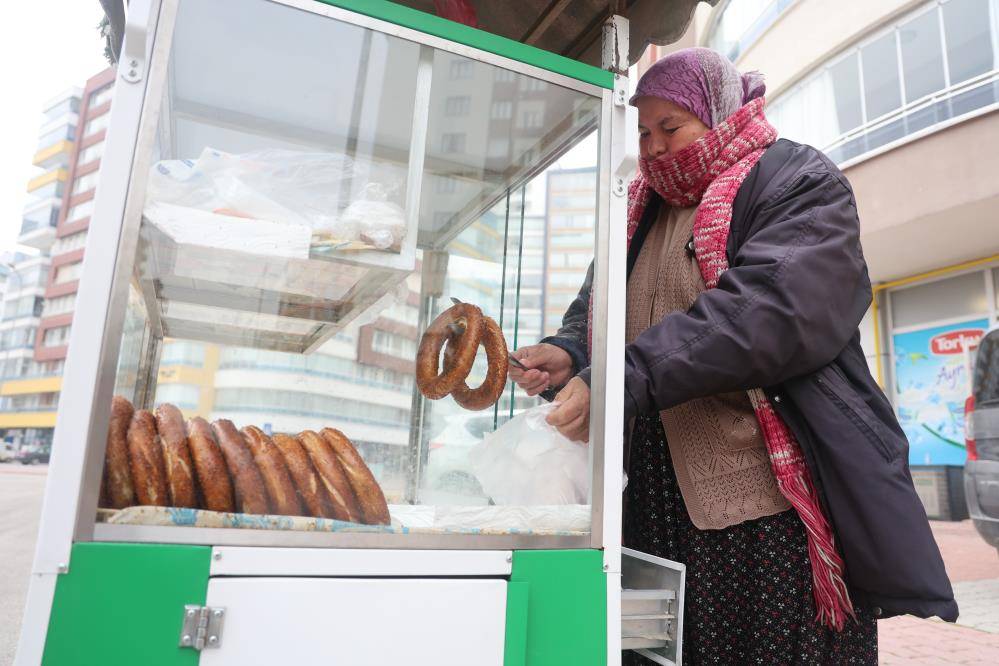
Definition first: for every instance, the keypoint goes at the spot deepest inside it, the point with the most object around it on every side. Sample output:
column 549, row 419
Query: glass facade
column 933, row 65
column 741, row 22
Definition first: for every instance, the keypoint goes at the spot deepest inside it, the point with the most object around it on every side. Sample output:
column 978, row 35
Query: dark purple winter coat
column 785, row 317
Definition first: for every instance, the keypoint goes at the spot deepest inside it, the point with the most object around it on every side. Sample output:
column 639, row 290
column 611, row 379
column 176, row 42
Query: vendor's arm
column 572, row 335
column 791, row 301
column 550, row 364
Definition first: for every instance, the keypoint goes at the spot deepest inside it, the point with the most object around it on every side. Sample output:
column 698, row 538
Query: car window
column 986, row 380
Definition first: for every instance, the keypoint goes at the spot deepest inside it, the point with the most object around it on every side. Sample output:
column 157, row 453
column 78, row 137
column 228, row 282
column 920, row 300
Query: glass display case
column 294, row 238
column 292, row 193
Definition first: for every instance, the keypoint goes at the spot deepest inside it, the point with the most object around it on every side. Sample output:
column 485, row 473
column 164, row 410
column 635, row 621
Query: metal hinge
column 202, row 627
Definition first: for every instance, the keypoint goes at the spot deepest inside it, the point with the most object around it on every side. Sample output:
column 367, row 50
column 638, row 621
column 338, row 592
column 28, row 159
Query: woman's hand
column 572, row 415
column 547, row 365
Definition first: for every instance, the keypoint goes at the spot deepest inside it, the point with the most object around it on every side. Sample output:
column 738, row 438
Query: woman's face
column 666, row 128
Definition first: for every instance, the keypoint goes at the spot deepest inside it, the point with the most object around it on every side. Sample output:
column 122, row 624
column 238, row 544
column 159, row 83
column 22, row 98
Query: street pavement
column 21, row 491
column 972, row 565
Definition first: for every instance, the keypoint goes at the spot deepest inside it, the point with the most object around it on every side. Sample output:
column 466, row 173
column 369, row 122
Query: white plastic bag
column 528, row 462
column 342, row 199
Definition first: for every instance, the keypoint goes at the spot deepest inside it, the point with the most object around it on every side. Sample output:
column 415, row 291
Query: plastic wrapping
column 347, row 203
column 528, row 462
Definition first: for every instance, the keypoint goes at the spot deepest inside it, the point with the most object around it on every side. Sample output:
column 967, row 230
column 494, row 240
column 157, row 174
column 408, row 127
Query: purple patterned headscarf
column 701, row 81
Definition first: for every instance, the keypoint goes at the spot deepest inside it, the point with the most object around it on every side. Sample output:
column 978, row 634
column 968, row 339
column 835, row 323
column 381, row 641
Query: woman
column 761, row 452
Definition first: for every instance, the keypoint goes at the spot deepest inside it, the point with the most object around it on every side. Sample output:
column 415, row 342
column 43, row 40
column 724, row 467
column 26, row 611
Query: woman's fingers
column 574, row 428
column 568, row 412
column 537, row 387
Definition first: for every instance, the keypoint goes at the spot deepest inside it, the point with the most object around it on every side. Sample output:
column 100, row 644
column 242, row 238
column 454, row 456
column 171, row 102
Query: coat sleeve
column 573, row 335
column 791, row 300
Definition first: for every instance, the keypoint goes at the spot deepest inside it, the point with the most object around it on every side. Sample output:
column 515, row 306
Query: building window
column 38, row 218
column 183, row 396
column 69, row 243
column 183, row 352
column 935, row 64
column 25, row 306
column 56, row 337
column 529, row 84
column 308, row 404
column 67, row 106
column 531, row 119
column 91, row 153
column 502, row 111
column 504, row 75
column 81, row 210
column 85, row 183
column 461, row 69
column 97, row 124
column 59, row 305
column 384, row 342
column 52, row 190
column 68, row 273
column 64, row 133
column 741, row 22
column 453, row 142
column 458, row 106
column 578, row 240
column 101, row 95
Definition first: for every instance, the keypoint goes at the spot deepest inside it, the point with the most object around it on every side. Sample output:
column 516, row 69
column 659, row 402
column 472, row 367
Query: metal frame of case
column 72, row 490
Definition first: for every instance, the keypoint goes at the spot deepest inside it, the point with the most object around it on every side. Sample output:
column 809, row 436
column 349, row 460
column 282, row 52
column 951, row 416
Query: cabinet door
column 358, row 621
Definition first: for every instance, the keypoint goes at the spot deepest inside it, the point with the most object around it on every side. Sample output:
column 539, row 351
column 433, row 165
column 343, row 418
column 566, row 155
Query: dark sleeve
column 795, row 294
column 573, row 335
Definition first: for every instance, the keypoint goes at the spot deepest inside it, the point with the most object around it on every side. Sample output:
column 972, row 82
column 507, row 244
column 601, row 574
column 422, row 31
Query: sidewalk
column 973, row 567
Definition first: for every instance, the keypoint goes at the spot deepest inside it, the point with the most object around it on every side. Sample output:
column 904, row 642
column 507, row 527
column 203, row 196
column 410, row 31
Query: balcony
column 931, row 113
column 56, row 155
column 38, row 226
column 36, row 235
column 48, row 178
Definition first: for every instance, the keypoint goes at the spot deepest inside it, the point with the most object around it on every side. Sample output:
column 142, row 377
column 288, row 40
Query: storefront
column 934, row 323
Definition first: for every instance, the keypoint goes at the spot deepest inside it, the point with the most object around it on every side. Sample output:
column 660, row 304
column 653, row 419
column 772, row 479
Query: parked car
column 33, row 455
column 7, row 451
column 981, row 470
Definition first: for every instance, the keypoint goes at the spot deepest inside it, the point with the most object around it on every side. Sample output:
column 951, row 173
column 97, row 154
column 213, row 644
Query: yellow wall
column 203, row 377
column 37, row 385
column 28, row 419
column 46, row 178
column 46, row 154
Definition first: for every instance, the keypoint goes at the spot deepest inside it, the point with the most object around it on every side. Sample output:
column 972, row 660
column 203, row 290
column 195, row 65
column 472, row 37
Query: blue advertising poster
column 931, row 385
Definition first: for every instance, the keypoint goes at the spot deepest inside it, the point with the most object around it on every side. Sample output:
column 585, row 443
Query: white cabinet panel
column 358, row 622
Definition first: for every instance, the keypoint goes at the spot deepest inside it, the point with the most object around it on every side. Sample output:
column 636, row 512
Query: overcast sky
column 45, row 48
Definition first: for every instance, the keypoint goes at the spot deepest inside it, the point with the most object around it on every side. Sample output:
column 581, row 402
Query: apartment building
column 29, row 387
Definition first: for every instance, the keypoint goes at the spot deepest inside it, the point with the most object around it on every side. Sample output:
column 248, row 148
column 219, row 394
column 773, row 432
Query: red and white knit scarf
column 709, row 172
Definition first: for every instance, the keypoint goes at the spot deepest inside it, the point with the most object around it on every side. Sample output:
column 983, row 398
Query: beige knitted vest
column 718, row 450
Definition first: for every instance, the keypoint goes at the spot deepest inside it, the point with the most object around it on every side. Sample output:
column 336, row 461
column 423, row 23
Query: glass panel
column 281, row 282
column 881, row 87
column 68, row 105
column 939, row 301
column 477, row 154
column 969, row 38
column 846, row 89
column 922, row 56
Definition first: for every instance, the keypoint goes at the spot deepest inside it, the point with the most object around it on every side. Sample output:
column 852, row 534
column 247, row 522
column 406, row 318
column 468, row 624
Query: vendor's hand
column 547, row 365
column 572, row 415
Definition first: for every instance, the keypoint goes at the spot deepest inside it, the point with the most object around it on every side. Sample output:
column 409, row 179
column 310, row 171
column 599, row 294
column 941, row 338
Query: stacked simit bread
column 158, row 459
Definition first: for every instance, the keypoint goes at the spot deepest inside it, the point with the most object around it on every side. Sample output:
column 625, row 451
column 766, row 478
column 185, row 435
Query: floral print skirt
column 749, row 586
